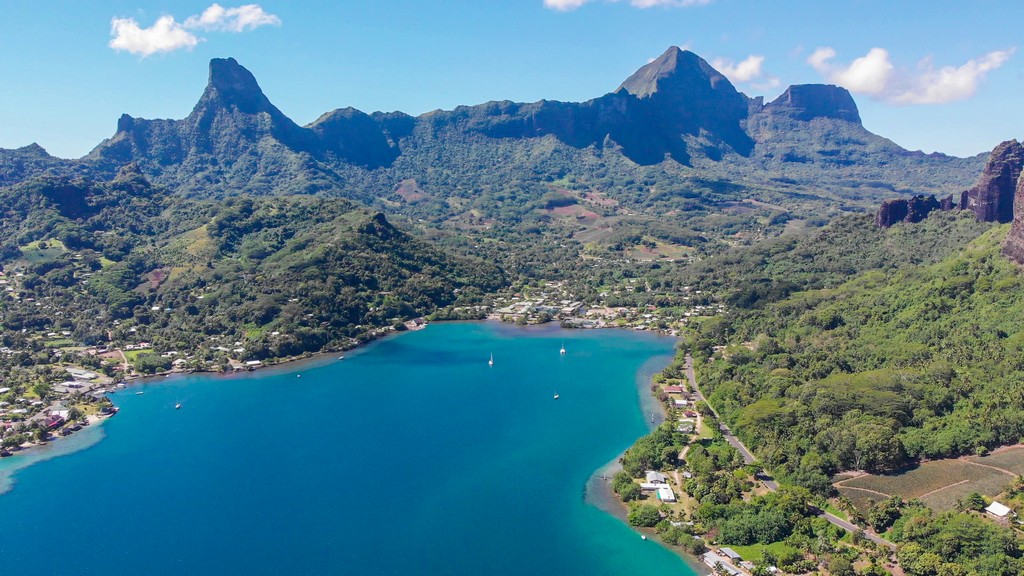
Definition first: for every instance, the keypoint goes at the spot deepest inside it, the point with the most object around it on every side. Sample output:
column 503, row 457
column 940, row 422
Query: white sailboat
column 491, row 361
column 562, row 351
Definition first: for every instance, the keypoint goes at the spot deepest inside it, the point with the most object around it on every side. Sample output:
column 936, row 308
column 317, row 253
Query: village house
column 665, row 493
column 999, row 511
column 717, row 563
column 654, row 477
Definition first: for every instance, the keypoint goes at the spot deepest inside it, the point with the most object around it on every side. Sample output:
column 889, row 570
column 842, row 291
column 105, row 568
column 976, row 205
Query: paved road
column 748, row 458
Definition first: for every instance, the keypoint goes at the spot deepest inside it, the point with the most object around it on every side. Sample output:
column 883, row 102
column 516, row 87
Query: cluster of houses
column 20, row 414
column 725, row 560
column 683, row 400
column 555, row 302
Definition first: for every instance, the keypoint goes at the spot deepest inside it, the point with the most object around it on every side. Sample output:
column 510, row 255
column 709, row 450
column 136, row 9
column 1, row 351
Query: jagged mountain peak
column 809, row 101
column 675, row 70
column 232, row 85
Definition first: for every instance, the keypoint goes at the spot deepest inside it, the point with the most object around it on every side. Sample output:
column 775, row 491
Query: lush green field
column 754, row 552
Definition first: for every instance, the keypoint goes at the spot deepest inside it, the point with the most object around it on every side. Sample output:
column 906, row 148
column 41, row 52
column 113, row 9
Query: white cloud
column 949, row 84
column 165, row 35
column 168, row 35
column 217, row 17
column 869, row 74
column 819, row 58
column 568, row 5
column 875, row 75
column 745, row 71
column 564, row 5
column 749, row 70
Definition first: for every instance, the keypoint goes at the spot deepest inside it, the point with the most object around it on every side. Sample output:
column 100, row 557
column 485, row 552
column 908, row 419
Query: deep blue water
column 410, row 456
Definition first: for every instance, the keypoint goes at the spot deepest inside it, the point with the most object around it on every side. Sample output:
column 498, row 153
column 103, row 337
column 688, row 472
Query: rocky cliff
column 910, row 210
column 991, row 199
column 809, row 101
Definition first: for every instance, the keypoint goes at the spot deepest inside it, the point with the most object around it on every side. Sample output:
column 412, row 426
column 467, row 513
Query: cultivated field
column 939, row 483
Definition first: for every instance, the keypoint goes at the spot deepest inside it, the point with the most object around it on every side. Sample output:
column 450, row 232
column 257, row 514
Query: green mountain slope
column 919, row 361
column 121, row 262
column 676, row 126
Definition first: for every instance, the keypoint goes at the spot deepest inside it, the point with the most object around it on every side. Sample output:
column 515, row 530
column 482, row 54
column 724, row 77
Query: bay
column 411, row 455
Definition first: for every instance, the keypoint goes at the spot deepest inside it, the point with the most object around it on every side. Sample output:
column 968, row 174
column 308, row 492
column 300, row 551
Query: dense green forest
column 898, row 363
column 123, row 262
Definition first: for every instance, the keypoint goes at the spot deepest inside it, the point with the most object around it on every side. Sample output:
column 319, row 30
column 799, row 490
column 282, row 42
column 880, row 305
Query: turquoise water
column 411, row 456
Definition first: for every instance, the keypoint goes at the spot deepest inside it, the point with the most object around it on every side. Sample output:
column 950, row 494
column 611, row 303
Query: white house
column 655, row 477
column 998, row 510
column 665, row 494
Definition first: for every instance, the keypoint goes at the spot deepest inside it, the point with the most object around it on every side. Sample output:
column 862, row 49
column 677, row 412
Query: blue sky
column 937, row 76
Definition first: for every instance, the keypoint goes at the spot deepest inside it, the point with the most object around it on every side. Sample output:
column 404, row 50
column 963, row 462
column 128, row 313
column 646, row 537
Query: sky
column 930, row 75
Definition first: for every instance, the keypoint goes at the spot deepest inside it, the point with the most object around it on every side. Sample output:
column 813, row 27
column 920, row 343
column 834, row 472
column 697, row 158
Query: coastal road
column 748, row 458
column 851, row 527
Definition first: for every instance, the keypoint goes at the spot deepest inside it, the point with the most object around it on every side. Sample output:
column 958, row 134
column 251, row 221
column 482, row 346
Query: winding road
column 748, row 458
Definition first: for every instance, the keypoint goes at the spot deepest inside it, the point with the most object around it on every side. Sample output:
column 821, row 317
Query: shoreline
column 311, row 360
column 32, row 448
column 597, row 493
column 598, row 488
column 61, row 446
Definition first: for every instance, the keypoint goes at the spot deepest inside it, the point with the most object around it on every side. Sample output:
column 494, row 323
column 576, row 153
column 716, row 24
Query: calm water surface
column 411, row 456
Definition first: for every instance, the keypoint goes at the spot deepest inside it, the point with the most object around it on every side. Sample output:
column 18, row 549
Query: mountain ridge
column 675, row 114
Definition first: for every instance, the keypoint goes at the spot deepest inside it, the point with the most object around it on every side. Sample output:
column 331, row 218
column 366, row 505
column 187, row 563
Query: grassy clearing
column 705, row 431
column 918, row 481
column 133, row 355
column 42, row 250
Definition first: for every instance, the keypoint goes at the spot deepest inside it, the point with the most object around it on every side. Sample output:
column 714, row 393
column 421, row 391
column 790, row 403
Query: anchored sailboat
column 562, row 351
column 491, row 361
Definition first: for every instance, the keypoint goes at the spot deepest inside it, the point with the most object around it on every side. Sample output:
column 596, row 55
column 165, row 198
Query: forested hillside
column 897, row 363
column 121, row 262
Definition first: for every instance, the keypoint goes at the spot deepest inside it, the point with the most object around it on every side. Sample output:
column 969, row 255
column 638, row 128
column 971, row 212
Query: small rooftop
column 998, row 510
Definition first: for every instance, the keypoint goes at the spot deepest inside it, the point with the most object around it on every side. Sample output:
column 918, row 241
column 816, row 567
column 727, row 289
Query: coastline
column 647, row 403
column 598, row 489
column 60, row 445
column 34, row 452
column 87, row 437
column 604, row 498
